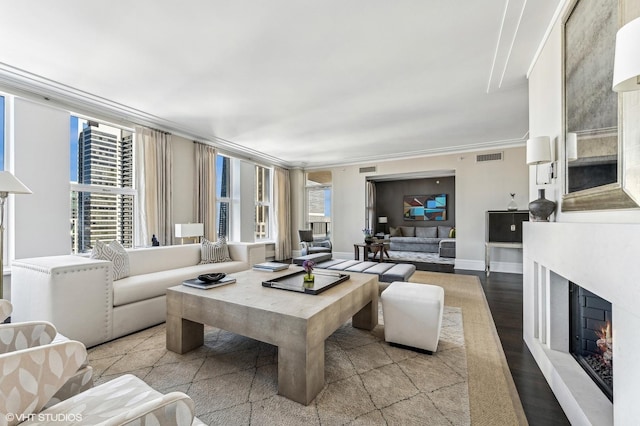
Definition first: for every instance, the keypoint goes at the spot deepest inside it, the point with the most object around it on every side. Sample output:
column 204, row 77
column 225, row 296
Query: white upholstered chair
column 29, row 334
column 32, row 376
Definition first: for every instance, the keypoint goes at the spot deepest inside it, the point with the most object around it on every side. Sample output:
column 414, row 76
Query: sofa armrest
column 250, row 253
column 72, row 292
column 175, row 408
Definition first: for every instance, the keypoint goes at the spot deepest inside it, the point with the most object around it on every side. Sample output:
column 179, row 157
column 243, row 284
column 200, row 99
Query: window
column 101, row 175
column 319, row 203
column 223, row 195
column 263, row 203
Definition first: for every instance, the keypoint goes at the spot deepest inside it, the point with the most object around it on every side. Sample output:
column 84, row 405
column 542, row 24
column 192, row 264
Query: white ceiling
column 302, row 82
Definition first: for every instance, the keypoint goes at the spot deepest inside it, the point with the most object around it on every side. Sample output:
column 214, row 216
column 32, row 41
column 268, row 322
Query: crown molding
column 481, row 146
column 40, row 88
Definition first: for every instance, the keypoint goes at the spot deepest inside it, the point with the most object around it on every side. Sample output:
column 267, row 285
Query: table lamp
column 189, row 230
column 382, row 220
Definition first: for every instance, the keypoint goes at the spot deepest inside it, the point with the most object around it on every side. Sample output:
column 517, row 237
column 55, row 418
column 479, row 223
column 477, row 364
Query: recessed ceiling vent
column 496, row 156
column 369, row 169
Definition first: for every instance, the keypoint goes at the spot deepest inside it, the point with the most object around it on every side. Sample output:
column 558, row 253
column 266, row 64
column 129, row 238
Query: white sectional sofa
column 79, row 296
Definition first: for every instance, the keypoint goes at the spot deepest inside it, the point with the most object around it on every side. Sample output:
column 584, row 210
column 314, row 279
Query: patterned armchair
column 5, row 309
column 31, row 377
column 30, row 334
column 309, row 245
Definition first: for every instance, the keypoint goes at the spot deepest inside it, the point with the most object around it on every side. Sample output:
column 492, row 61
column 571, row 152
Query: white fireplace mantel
column 604, row 259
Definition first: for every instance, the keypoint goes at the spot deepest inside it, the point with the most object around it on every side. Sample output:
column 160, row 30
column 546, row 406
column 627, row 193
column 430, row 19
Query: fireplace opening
column 591, row 342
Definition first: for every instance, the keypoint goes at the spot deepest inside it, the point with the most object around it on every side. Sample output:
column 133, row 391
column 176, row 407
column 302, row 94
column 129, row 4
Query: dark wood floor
column 504, row 295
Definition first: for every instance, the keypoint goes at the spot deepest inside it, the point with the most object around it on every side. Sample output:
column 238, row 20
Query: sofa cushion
column 443, row 231
column 415, row 240
column 214, row 252
column 426, row 231
column 408, row 231
column 395, row 231
column 116, row 254
column 154, row 259
column 154, row 284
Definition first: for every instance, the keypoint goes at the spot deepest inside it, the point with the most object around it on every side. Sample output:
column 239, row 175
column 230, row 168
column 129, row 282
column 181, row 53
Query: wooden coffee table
column 296, row 323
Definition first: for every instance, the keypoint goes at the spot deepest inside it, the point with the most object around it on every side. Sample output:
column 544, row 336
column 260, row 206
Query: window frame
column 262, row 204
column 228, row 199
column 318, row 186
column 106, row 189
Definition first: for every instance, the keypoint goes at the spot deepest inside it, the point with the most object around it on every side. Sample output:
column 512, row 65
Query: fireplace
column 591, row 339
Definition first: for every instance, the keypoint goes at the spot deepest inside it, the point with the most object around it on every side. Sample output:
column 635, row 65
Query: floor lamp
column 9, row 184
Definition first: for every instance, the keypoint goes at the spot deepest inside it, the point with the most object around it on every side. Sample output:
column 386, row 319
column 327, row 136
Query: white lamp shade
column 539, row 150
column 189, row 230
column 626, row 65
column 382, row 219
column 572, row 146
column 12, row 185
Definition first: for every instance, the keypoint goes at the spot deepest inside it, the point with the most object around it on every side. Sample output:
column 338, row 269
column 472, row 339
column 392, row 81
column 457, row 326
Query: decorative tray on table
column 323, row 280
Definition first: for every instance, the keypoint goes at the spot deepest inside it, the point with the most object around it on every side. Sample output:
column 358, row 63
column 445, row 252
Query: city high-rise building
column 105, row 158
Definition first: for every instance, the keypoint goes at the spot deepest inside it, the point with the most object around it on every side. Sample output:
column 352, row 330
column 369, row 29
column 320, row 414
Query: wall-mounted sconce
column 539, row 152
column 626, row 66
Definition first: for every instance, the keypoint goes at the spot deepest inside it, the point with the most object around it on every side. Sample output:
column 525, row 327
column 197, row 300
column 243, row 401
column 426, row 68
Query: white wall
column 40, row 159
column 479, row 187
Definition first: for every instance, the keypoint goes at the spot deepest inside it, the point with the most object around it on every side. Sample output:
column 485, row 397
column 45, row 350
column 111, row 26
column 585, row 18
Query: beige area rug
column 233, row 379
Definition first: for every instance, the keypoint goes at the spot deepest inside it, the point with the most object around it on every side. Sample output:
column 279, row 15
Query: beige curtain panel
column 205, row 188
column 154, row 165
column 282, row 210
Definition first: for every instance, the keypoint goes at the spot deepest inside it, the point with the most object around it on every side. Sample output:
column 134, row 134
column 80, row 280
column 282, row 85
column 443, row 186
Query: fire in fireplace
column 591, row 343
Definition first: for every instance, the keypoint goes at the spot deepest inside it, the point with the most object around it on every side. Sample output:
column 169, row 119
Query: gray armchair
column 309, row 245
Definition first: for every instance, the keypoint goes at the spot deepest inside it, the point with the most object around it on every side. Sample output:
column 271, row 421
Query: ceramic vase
column 512, row 206
column 368, row 239
column 541, row 208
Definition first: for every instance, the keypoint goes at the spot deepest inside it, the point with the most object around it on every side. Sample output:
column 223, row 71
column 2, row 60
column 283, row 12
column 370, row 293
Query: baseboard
column 478, row 265
column 469, row 265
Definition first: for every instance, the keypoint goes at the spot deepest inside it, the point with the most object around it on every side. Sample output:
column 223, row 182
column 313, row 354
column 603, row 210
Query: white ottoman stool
column 413, row 314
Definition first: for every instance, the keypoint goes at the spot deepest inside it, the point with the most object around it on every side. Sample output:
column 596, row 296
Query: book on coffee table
column 194, row 282
column 270, row 266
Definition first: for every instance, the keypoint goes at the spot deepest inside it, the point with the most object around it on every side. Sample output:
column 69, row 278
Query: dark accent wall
column 389, row 196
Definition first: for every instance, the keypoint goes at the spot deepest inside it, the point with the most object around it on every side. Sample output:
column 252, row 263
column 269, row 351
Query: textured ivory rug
column 233, row 379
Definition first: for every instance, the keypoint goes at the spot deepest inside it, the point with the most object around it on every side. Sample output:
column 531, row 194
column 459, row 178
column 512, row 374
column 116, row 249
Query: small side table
column 487, row 253
column 374, row 248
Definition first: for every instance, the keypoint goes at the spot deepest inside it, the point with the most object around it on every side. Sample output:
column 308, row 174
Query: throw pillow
column 115, row 253
column 98, row 251
column 408, row 231
column 452, row 233
column 394, row 232
column 426, row 231
column 214, row 252
column 443, row 231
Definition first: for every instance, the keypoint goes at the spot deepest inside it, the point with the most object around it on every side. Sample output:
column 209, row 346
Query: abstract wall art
column 425, row 207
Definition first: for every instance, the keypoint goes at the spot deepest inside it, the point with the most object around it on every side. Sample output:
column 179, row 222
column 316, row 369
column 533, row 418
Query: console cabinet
column 504, row 226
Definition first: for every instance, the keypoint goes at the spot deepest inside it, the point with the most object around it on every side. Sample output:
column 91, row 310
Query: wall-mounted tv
column 425, row 207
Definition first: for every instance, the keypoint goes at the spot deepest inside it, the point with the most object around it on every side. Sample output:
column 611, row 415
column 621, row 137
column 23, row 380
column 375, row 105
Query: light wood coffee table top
column 296, row 323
